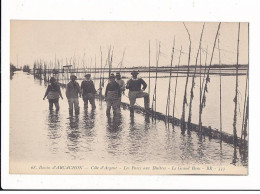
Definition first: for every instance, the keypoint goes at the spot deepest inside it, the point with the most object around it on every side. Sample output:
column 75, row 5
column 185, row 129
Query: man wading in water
column 88, row 92
column 53, row 93
column 112, row 95
column 135, row 91
column 73, row 92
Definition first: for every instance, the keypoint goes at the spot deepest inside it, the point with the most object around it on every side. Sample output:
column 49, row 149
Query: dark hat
column 73, row 76
column 88, row 75
column 134, row 72
column 117, row 73
column 112, row 75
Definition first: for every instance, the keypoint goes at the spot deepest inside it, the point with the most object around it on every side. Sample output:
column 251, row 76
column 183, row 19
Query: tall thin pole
column 121, row 63
column 204, row 74
column 236, row 94
column 220, row 92
column 155, row 85
column 108, row 63
column 100, row 73
column 246, row 119
column 149, row 88
column 202, row 88
column 176, row 83
column 200, row 85
column 193, row 80
column 245, row 102
column 111, row 60
column 205, row 89
column 183, row 125
column 157, row 77
column 169, row 86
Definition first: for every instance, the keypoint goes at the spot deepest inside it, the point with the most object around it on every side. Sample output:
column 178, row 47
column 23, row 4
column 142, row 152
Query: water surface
column 36, row 134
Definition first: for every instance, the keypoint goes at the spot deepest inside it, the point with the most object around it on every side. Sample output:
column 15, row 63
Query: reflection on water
column 54, row 132
column 54, row 125
column 201, row 147
column 114, row 124
column 89, row 120
column 113, row 135
column 186, row 148
column 92, row 136
column 73, row 133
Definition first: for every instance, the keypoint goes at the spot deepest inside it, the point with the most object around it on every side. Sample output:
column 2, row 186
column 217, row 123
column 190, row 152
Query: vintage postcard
column 128, row 98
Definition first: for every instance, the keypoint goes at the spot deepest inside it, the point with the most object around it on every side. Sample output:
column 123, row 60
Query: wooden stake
column 176, row 83
column 100, row 73
column 200, row 85
column 183, row 124
column 167, row 114
column 121, row 63
column 149, row 88
column 236, row 94
column 207, row 80
column 246, row 120
column 220, row 93
column 244, row 111
column 193, row 81
column 202, row 88
column 111, row 60
column 155, row 85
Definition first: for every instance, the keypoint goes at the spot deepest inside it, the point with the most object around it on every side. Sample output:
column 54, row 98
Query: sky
column 43, row 40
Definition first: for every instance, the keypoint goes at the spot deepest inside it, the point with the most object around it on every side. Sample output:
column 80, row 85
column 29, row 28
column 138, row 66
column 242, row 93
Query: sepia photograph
column 129, row 98
column 130, row 95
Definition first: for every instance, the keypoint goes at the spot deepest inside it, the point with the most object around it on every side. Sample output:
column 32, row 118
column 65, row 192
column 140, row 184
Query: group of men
column 113, row 93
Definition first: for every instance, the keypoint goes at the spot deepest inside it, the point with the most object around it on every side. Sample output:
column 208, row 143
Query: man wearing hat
column 135, row 91
column 73, row 93
column 53, row 93
column 121, row 84
column 112, row 95
column 88, row 92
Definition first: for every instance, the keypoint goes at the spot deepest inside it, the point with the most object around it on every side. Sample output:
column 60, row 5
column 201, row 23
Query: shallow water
column 211, row 113
column 36, row 134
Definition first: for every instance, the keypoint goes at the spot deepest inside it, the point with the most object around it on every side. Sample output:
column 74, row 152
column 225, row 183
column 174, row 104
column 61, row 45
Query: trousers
column 55, row 102
column 115, row 104
column 91, row 98
column 73, row 102
column 113, row 100
column 139, row 94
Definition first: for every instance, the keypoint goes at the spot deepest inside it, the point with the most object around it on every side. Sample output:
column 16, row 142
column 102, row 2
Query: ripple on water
column 91, row 136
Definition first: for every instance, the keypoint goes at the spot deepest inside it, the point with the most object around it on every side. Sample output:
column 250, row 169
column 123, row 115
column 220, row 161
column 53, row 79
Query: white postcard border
column 134, row 10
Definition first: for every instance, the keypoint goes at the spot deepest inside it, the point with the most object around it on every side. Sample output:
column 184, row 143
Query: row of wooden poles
column 204, row 81
column 43, row 72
